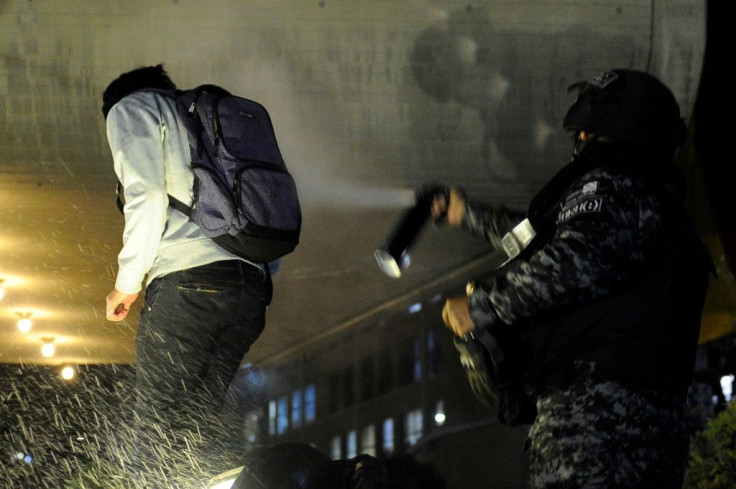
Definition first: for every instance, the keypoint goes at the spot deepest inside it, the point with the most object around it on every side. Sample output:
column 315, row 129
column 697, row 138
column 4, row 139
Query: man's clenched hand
column 118, row 305
column 456, row 315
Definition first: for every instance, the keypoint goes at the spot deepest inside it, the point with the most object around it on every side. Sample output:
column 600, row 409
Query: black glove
column 514, row 405
column 474, row 359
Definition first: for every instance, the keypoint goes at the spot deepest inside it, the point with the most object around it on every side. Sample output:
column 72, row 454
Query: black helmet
column 627, row 106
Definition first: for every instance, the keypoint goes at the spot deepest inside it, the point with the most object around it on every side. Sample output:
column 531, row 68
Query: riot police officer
column 597, row 313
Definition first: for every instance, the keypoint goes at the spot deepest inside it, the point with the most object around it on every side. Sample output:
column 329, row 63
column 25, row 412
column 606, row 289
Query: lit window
column 417, row 360
column 296, row 409
column 252, row 419
column 310, row 403
column 352, row 444
column 282, row 415
column 432, row 355
column 272, row 418
column 335, row 448
column 388, row 436
column 414, row 424
column 368, row 440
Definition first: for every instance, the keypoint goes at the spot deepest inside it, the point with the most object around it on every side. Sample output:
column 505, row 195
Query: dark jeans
column 195, row 327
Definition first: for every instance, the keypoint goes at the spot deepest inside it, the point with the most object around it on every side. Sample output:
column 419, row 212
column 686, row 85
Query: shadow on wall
column 467, row 60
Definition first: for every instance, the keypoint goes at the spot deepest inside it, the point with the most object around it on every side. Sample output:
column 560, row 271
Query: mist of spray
column 314, row 156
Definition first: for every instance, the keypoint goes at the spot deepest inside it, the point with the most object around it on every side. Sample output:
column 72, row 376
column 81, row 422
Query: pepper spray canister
column 393, row 255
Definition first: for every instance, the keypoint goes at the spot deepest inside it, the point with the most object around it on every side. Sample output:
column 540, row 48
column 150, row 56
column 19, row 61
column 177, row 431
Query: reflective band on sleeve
column 518, row 239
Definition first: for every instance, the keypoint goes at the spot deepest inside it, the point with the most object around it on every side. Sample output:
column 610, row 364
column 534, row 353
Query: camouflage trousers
column 595, row 434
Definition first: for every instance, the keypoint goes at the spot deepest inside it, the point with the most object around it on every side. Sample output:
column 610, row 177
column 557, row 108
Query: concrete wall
column 369, row 92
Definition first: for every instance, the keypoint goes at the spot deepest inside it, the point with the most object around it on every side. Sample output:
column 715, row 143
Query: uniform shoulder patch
column 586, row 200
column 590, row 187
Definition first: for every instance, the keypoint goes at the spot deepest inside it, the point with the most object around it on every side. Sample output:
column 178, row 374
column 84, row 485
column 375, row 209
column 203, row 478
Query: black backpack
column 244, row 197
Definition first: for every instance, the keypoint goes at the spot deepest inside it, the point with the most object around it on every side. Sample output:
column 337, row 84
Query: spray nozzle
column 393, row 256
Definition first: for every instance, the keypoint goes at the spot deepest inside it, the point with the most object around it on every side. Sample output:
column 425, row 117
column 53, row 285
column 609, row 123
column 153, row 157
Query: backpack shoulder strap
column 180, row 206
column 173, row 202
column 214, row 89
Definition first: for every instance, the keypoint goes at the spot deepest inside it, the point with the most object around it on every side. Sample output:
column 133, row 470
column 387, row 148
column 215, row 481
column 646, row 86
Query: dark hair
column 127, row 83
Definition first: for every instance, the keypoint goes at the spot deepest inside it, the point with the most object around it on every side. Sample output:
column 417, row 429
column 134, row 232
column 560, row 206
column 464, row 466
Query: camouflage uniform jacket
column 594, row 288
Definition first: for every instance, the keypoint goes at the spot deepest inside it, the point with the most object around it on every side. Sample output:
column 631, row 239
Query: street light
column 68, row 372
column 48, row 349
column 24, row 323
column 439, row 415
